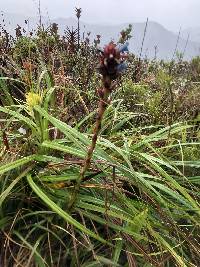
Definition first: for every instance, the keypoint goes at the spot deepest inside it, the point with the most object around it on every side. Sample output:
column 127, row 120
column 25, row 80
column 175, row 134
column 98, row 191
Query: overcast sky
column 172, row 14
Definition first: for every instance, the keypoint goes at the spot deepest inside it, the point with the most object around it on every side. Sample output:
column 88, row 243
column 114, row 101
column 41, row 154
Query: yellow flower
column 33, row 99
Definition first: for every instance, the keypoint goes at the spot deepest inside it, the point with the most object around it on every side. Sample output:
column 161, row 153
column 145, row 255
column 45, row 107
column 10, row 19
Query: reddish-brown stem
column 104, row 96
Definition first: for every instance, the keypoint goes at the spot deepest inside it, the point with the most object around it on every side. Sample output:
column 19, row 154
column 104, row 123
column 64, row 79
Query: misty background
column 109, row 17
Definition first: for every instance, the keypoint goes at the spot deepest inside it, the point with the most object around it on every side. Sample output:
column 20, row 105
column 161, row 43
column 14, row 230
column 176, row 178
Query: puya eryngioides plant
column 111, row 66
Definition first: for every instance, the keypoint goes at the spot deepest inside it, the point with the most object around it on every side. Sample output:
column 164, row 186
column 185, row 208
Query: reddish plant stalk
column 104, row 97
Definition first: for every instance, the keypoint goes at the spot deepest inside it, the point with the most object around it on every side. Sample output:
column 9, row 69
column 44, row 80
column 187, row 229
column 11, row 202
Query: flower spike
column 112, row 60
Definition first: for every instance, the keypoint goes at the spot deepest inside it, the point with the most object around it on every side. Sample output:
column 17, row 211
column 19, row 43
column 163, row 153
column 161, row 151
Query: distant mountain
column 194, row 34
column 156, row 35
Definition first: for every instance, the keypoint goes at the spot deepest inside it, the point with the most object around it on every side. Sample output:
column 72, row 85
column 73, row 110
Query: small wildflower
column 32, row 100
column 22, row 131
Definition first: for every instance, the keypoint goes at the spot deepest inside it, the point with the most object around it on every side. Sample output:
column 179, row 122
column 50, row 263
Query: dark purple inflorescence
column 112, row 60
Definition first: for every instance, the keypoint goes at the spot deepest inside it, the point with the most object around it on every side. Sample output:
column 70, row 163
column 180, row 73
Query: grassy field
column 99, row 154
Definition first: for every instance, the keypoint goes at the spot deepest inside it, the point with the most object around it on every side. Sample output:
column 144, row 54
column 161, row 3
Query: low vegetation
column 136, row 203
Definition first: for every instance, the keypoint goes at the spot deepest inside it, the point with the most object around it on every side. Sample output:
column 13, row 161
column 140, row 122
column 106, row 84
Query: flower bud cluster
column 112, row 60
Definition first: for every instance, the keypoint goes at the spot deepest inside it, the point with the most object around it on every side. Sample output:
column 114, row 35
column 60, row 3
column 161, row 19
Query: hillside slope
column 156, row 35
